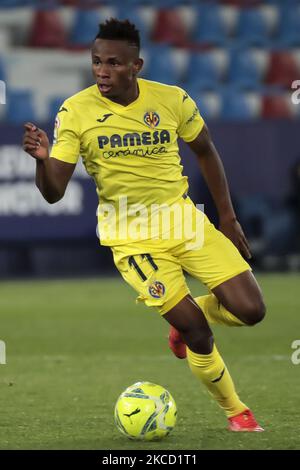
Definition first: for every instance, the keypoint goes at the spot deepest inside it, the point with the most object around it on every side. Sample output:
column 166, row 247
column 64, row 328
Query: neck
column 128, row 96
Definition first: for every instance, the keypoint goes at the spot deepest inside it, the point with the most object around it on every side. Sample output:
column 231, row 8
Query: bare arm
column 214, row 175
column 52, row 175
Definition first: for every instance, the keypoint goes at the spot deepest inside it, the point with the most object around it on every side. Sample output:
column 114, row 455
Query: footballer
column 126, row 129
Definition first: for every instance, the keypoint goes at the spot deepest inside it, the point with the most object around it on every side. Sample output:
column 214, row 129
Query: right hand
column 35, row 142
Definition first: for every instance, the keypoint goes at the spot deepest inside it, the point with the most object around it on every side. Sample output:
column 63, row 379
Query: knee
column 254, row 312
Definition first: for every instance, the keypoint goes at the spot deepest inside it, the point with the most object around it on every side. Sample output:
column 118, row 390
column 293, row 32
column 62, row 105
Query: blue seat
column 210, row 26
column 134, row 16
column 162, row 67
column 286, row 2
column 120, row 3
column 54, row 106
column 20, row 107
column 154, row 3
column 244, row 72
column 2, row 70
column 289, row 27
column 85, row 27
column 252, row 28
column 209, row 106
column 235, row 107
column 165, row 3
column 203, row 72
column 16, row 3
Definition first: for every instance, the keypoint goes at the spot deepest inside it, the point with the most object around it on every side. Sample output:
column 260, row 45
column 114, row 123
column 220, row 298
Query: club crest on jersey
column 157, row 289
column 151, row 119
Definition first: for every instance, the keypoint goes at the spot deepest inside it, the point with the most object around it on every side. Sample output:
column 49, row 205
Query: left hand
column 234, row 232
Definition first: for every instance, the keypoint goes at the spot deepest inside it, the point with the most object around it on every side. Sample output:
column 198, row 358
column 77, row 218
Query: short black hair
column 121, row 30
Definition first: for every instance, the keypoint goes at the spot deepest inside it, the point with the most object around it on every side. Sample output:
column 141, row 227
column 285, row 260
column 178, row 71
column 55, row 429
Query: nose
column 103, row 71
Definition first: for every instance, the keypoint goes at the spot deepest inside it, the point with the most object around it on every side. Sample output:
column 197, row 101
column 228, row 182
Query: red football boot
column 245, row 421
column 176, row 343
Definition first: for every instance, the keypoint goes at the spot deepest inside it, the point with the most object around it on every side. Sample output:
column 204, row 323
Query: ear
column 137, row 66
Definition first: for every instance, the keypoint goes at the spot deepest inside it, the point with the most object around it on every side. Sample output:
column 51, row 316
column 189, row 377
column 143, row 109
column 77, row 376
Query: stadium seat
column 210, row 27
column 286, row 2
column 252, row 28
column 164, row 3
column 142, row 21
column 242, row 3
column 47, row 30
column 162, row 67
column 169, row 28
column 282, row 70
column 85, row 27
column 2, row 70
column 70, row 2
column 276, row 107
column 244, row 71
column 20, row 107
column 15, row 3
column 237, row 106
column 80, row 3
column 205, row 71
column 289, row 28
column 209, row 105
column 6, row 37
column 54, row 105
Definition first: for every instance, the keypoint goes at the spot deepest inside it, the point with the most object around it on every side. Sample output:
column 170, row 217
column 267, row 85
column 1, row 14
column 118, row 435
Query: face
column 115, row 67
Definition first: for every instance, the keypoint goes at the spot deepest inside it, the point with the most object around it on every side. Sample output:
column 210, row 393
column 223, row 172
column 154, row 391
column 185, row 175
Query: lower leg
column 213, row 373
column 203, row 357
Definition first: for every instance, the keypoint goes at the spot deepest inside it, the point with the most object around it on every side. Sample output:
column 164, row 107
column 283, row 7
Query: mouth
column 104, row 88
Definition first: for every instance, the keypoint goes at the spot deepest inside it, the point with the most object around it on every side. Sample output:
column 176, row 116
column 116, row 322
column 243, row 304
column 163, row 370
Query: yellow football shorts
column 154, row 267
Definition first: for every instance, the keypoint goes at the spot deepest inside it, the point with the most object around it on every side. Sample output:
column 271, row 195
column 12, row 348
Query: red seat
column 47, row 30
column 169, row 28
column 282, row 69
column 276, row 107
column 73, row 3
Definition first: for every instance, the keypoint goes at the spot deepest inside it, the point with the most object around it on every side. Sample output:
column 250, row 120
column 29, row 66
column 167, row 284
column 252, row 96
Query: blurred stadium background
column 237, row 59
column 74, row 344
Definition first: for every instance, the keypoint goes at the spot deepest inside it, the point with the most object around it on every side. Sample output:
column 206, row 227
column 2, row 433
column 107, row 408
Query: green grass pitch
column 73, row 346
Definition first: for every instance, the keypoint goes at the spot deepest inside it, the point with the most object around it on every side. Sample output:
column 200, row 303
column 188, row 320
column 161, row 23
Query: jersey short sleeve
column 190, row 120
column 66, row 142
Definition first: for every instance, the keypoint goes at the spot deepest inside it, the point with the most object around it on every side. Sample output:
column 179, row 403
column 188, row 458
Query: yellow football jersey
column 131, row 151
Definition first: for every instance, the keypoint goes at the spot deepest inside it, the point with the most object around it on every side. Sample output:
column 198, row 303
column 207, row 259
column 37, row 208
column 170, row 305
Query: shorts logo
column 157, row 289
column 151, row 119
